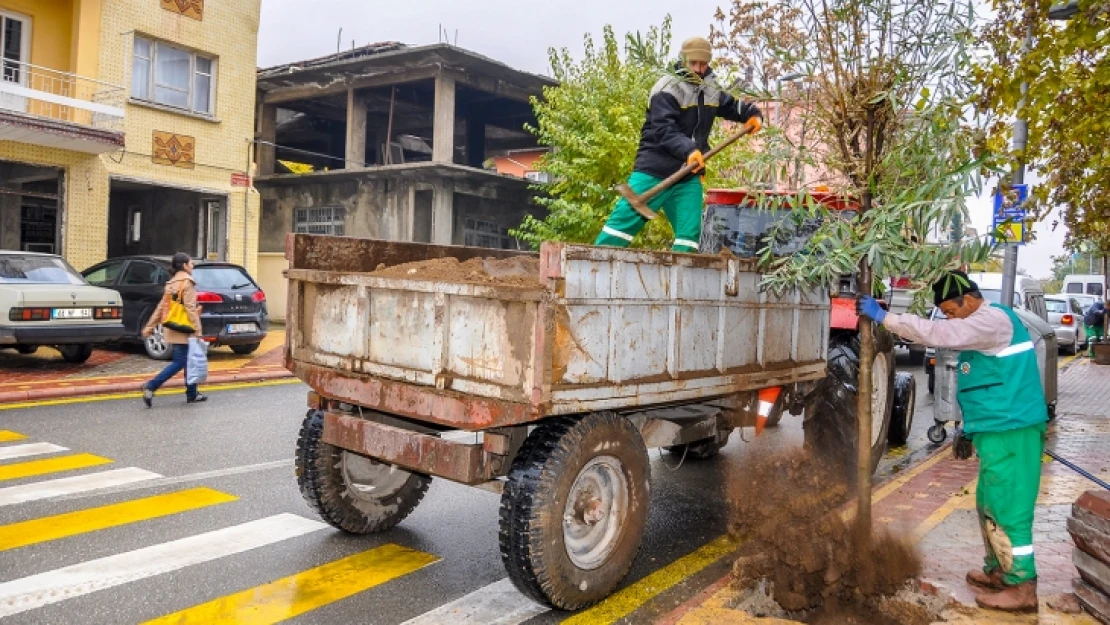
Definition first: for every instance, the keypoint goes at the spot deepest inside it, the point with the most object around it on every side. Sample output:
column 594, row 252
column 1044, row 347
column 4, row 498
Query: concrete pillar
column 475, row 140
column 265, row 154
column 443, row 213
column 443, row 131
column 10, row 218
column 356, row 131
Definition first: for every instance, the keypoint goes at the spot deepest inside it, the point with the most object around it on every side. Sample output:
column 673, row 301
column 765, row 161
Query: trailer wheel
column 349, row 491
column 901, row 417
column 830, row 424
column 574, row 509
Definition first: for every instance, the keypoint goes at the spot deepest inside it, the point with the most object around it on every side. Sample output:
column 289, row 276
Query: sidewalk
column 44, row 375
column 935, row 504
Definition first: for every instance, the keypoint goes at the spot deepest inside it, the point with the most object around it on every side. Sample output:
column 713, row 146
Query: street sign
column 1009, row 214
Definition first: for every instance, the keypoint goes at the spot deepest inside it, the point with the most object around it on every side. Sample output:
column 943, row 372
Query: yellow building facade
column 126, row 127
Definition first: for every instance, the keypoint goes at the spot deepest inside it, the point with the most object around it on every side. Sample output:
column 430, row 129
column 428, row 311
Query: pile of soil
column 804, row 559
column 518, row 271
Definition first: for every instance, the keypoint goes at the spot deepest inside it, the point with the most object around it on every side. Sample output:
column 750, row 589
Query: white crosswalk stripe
column 11, row 452
column 74, row 485
column 499, row 603
column 36, row 591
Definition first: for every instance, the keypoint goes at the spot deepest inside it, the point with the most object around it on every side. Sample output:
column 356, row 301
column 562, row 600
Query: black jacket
column 680, row 116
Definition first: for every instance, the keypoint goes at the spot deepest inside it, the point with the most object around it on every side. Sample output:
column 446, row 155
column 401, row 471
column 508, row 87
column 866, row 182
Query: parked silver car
column 1065, row 315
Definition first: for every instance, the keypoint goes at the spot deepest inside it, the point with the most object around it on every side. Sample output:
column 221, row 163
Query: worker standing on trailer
column 680, row 115
column 999, row 390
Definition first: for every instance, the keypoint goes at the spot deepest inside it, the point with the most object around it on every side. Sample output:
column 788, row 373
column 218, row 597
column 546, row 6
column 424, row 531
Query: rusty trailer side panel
column 603, row 329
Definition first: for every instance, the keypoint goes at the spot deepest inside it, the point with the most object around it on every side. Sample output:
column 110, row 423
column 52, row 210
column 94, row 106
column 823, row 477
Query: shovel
column 640, row 202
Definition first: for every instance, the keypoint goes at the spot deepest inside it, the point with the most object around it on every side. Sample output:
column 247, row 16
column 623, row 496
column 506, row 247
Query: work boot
column 986, row 581
column 1018, row 598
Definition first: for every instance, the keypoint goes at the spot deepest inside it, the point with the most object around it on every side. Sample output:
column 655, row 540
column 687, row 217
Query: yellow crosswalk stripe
column 112, row 515
column 7, row 436
column 305, row 591
column 50, row 465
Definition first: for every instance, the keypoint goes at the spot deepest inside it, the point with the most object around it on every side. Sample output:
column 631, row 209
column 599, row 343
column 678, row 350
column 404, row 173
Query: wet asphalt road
column 240, row 444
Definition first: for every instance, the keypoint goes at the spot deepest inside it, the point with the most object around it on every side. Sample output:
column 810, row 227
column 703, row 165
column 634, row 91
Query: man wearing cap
column 680, row 115
column 1000, row 393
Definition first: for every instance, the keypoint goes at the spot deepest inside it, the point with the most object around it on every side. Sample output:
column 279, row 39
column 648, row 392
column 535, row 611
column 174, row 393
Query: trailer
column 548, row 390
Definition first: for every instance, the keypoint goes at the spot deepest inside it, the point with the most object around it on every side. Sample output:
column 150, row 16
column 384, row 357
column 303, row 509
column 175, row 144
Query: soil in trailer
column 522, row 271
column 801, row 560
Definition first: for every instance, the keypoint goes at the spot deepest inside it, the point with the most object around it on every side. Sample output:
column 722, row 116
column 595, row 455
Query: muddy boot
column 1019, row 598
column 986, row 581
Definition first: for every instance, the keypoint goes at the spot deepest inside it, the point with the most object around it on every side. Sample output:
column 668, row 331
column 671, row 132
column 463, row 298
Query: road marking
column 138, row 394
column 50, row 465
column 7, row 436
column 71, row 485
column 303, row 592
column 499, row 603
column 103, row 517
column 628, row 599
column 192, row 477
column 36, row 591
column 960, row 499
column 30, row 449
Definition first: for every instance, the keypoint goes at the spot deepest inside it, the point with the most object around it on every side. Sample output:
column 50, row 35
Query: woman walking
column 181, row 290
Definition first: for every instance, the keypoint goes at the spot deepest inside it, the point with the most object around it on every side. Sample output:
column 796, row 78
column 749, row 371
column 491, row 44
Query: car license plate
column 239, row 328
column 72, row 313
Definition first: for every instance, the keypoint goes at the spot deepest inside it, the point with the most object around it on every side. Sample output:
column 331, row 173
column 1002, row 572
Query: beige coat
column 184, row 283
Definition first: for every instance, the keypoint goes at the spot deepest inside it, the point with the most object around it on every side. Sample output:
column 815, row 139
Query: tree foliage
column 1058, row 82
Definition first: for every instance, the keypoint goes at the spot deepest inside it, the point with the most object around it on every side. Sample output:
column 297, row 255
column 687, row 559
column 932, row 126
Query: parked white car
column 44, row 301
column 1065, row 315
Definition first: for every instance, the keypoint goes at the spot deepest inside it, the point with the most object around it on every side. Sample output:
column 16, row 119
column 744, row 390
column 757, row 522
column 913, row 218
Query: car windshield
column 993, row 296
column 221, row 277
column 1056, row 306
column 30, row 269
column 744, row 229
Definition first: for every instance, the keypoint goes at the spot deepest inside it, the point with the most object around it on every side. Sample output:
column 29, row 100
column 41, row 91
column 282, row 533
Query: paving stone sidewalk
column 44, row 375
column 934, row 504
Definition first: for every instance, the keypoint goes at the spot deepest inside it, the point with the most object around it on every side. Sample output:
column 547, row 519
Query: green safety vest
column 1002, row 392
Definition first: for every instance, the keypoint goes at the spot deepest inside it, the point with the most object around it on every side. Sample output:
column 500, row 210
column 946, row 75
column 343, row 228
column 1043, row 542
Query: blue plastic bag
column 196, row 368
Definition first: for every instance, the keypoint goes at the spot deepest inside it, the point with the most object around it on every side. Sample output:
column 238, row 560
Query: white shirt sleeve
column 987, row 330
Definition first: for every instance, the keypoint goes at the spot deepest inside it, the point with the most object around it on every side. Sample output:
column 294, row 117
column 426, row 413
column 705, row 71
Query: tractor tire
column 830, row 425
column 901, row 417
column 703, row 449
column 574, row 509
column 351, row 492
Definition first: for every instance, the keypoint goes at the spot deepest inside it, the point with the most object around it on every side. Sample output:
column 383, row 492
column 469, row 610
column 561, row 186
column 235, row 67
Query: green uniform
column 681, row 203
column 1094, row 333
column 1005, row 414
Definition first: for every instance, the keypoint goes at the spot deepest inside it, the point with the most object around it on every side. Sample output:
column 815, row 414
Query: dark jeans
column 180, row 359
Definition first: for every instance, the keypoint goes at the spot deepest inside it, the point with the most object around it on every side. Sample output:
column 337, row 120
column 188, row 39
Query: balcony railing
column 61, row 96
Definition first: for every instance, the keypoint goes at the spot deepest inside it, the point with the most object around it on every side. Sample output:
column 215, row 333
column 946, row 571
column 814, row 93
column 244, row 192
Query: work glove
column 961, row 446
column 698, row 159
column 755, row 123
column 869, row 307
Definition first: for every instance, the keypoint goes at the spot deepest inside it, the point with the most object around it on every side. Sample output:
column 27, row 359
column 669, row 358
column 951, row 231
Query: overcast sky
column 517, row 33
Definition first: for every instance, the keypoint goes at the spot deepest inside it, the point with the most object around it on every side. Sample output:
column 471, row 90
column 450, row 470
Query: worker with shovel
column 999, row 390
column 675, row 136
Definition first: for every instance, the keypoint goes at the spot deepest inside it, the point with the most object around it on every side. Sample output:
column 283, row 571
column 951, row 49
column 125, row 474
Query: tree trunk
column 865, row 382
column 1105, row 317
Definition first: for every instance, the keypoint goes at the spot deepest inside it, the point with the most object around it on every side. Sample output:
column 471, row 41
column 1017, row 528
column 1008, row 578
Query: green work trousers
column 681, row 203
column 1093, row 334
column 1009, row 480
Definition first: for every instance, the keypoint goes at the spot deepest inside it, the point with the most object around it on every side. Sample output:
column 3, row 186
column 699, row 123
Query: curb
column 133, row 385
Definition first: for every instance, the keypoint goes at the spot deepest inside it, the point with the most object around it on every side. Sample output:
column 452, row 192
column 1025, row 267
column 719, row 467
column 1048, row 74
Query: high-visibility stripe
column 613, row 232
column 36, row 591
column 1015, row 349
column 499, row 603
column 1023, row 551
column 686, row 242
column 12, row 452
column 294, row 595
column 50, row 465
column 102, row 517
column 73, row 485
column 765, row 408
column 7, row 436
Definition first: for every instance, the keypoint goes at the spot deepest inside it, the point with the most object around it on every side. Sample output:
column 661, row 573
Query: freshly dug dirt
column 814, row 564
column 521, row 271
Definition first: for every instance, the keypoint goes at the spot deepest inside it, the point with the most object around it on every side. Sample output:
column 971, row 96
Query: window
column 19, row 268
column 538, row 176
column 104, row 274
column 173, row 76
column 323, row 220
column 1056, row 306
column 222, row 277
column 144, row 274
column 1074, row 287
column 1094, row 288
column 480, row 233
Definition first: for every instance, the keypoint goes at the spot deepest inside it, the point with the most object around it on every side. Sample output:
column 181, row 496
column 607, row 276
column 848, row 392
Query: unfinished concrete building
column 390, row 141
